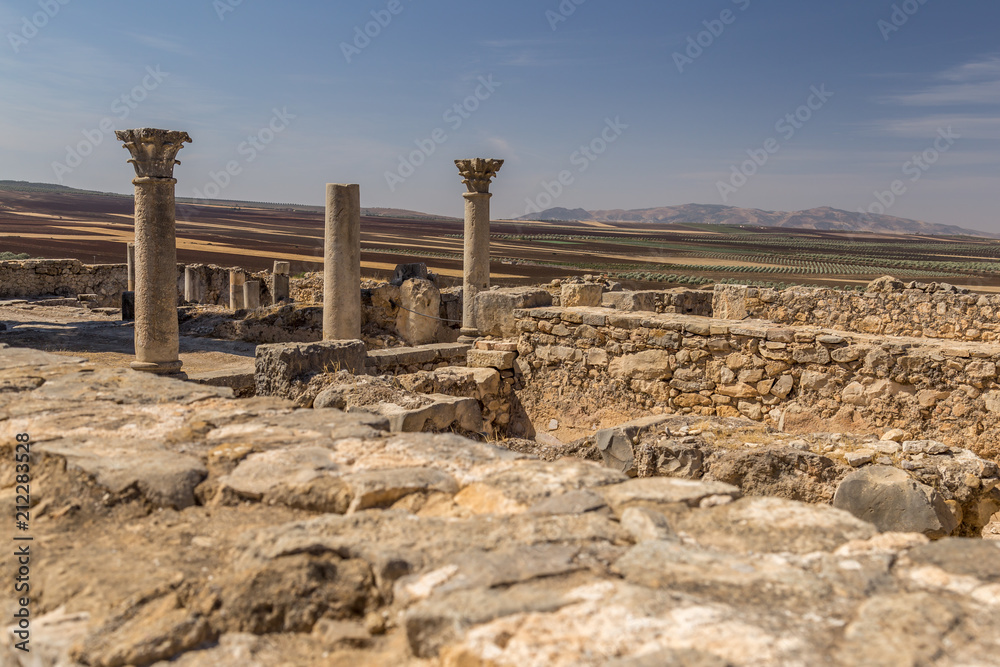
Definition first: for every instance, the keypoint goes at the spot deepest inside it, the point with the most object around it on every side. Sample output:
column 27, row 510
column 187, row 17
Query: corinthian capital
column 478, row 173
column 154, row 152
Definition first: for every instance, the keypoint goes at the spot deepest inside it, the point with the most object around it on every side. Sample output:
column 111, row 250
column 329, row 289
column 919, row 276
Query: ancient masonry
column 154, row 155
column 342, row 263
column 683, row 502
column 477, row 174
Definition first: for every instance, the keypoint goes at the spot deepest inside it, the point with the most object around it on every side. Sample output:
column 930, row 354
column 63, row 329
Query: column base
column 469, row 335
column 159, row 368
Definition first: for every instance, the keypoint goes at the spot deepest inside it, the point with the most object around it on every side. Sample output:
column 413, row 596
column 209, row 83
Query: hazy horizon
column 590, row 104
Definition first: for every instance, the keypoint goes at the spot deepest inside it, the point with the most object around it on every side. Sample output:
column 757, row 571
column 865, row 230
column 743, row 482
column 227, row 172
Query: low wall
column 32, row 278
column 28, row 278
column 587, row 367
column 911, row 309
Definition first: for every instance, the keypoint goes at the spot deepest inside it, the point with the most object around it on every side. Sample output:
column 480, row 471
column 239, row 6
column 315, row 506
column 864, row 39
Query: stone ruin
column 588, row 476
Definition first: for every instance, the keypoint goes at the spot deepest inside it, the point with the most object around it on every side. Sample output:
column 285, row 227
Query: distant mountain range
column 824, row 218
column 51, row 188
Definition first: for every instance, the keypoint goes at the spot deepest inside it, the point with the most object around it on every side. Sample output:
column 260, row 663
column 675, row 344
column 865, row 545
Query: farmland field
column 94, row 228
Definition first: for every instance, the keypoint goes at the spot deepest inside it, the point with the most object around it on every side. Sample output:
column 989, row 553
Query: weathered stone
column 893, row 501
column 342, row 263
column 495, row 308
column 585, row 295
column 157, row 338
column 729, row 302
column 647, row 365
column 418, row 320
column 280, row 365
column 491, row 359
column 477, row 174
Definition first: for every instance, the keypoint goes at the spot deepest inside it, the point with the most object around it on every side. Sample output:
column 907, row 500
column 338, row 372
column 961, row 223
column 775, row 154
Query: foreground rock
column 181, row 526
column 892, row 500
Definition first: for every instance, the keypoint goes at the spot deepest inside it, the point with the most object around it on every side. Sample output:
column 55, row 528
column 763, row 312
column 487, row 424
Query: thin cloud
column 973, row 83
column 163, row 44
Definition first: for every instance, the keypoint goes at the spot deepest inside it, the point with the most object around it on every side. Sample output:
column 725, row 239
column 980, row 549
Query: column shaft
column 281, row 289
column 194, row 287
column 236, row 280
column 157, row 341
column 342, row 263
column 130, row 260
column 251, row 294
column 477, row 256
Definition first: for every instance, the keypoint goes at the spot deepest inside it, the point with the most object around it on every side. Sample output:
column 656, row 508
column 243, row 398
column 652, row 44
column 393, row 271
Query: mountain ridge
column 822, row 218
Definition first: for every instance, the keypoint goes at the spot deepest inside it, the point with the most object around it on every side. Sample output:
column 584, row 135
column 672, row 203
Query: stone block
column 647, row 365
column 497, row 359
column 495, row 310
column 420, row 306
column 280, row 365
column 895, row 502
column 630, row 301
column 585, row 295
column 729, row 302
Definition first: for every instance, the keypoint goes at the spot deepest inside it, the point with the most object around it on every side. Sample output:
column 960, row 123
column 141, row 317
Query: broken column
column 157, row 340
column 477, row 175
column 128, row 296
column 280, row 290
column 194, row 286
column 342, row 263
column 236, row 280
column 130, row 259
column 251, row 294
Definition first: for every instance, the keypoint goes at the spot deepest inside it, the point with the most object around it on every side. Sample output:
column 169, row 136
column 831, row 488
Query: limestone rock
column 280, row 366
column 586, row 295
column 420, row 307
column 495, row 308
column 648, row 365
column 893, row 501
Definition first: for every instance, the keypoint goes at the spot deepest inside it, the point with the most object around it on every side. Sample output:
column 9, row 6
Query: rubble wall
column 584, row 363
column 62, row 277
column 925, row 311
column 31, row 278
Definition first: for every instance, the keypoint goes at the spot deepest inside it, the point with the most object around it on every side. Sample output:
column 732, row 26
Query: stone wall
column 62, row 277
column 584, row 366
column 32, row 278
column 278, row 532
column 910, row 309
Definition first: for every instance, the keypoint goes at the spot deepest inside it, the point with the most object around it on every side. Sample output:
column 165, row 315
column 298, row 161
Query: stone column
column 194, row 286
column 236, row 280
column 342, row 263
column 130, row 260
column 477, row 175
column 281, row 290
column 251, row 294
column 157, row 338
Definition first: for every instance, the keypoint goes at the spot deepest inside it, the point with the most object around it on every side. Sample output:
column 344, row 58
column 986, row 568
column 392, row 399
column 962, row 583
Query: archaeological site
column 219, row 467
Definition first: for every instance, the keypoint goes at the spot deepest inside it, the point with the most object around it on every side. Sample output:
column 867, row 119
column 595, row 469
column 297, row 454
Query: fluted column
column 342, row 263
column 157, row 339
column 477, row 174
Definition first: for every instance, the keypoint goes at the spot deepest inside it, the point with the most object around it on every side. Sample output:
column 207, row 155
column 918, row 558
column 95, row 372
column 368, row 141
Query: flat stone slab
column 417, row 356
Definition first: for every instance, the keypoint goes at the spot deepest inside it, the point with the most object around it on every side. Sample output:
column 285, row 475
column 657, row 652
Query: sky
column 864, row 105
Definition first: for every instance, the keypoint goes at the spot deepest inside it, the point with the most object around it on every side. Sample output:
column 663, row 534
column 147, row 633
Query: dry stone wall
column 33, row 278
column 581, row 361
column 910, row 309
column 62, row 277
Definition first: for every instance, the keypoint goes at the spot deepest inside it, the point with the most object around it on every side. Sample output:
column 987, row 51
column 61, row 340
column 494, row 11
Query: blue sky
column 618, row 100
